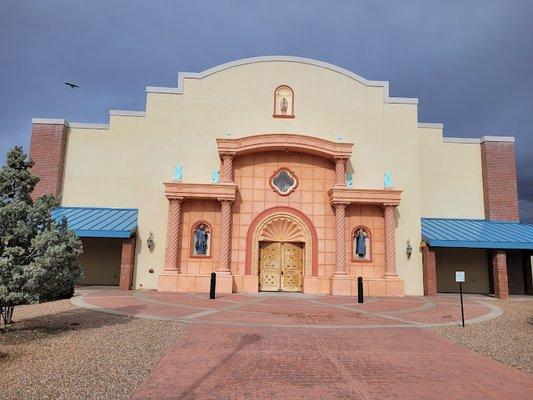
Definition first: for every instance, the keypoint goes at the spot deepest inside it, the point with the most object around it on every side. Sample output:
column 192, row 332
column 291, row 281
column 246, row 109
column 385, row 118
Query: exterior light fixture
column 409, row 250
column 150, row 242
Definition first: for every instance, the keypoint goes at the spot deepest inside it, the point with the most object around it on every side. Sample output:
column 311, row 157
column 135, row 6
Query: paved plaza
column 242, row 346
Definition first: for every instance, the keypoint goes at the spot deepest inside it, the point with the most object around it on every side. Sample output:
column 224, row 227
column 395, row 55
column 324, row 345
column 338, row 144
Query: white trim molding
column 126, row 113
column 49, row 121
column 431, row 125
column 300, row 60
column 461, row 140
column 509, row 139
column 84, row 125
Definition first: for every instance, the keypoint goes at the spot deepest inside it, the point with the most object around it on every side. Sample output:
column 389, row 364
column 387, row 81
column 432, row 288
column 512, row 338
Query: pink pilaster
column 173, row 231
column 390, row 242
column 227, row 168
column 225, row 235
column 340, row 171
column 340, row 222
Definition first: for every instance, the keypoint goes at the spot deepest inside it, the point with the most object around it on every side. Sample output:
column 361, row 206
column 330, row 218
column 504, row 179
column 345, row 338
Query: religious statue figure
column 360, row 241
column 201, row 241
column 387, row 180
column 284, row 105
column 349, row 179
column 178, row 173
column 215, row 176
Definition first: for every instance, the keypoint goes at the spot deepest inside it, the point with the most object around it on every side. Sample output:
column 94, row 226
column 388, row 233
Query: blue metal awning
column 99, row 222
column 477, row 233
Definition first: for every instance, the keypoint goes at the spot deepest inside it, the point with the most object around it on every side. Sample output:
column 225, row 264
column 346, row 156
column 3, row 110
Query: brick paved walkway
column 314, row 347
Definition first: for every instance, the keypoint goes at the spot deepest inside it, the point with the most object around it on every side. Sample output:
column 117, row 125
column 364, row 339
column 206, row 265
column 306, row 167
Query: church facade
column 283, row 174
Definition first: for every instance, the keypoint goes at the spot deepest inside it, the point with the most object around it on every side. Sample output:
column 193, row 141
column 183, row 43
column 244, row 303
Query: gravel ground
column 58, row 351
column 507, row 339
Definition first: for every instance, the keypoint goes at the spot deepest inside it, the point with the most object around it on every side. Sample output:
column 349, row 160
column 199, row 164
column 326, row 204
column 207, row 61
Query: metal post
column 213, row 285
column 462, row 310
column 360, row 290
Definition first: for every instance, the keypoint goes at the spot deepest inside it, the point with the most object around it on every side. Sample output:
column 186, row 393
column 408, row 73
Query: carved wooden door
column 270, row 266
column 291, row 267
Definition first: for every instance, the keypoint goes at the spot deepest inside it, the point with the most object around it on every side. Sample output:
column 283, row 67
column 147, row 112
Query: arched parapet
column 286, row 142
column 282, row 224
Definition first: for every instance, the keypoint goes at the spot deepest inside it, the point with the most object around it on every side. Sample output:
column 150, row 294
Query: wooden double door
column 280, row 266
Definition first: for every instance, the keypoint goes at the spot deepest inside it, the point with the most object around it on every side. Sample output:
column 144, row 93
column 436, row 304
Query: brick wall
column 429, row 270
column 499, row 180
column 47, row 150
column 127, row 261
column 499, row 271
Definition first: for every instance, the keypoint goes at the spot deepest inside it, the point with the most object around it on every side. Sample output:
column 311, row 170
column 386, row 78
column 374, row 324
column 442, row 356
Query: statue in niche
column 360, row 244
column 200, row 239
column 215, row 176
column 178, row 173
column 349, row 179
column 284, row 105
column 387, row 180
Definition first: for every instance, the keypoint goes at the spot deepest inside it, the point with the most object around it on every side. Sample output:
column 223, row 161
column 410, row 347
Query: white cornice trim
column 300, row 60
column 431, row 125
column 49, row 121
column 461, row 140
column 128, row 113
column 83, row 125
column 509, row 139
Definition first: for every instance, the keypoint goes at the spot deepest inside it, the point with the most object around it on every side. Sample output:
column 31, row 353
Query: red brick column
column 47, row 150
column 127, row 263
column 340, row 226
column 173, row 234
column 429, row 260
column 225, row 235
column 499, row 179
column 390, row 241
column 499, row 272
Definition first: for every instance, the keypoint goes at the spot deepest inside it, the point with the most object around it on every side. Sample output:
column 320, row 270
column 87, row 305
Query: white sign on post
column 459, row 276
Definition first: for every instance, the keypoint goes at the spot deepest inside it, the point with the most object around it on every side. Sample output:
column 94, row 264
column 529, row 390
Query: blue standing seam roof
column 477, row 233
column 99, row 222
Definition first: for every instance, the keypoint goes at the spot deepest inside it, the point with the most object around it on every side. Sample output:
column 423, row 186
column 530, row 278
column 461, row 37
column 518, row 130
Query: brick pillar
column 225, row 235
column 340, row 225
column 499, row 179
column 340, row 171
column 429, row 260
column 499, row 272
column 227, row 168
column 127, row 261
column 47, row 150
column 173, row 235
column 390, row 241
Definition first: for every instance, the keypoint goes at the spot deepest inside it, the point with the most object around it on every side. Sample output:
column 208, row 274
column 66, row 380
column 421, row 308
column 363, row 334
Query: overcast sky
column 469, row 62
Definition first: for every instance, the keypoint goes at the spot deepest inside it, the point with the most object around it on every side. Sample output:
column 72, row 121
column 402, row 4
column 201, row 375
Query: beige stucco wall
column 125, row 165
column 451, row 184
column 101, row 261
column 472, row 261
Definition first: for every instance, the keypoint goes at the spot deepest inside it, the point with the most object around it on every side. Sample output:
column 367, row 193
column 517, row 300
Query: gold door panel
column 270, row 266
column 291, row 267
column 280, row 266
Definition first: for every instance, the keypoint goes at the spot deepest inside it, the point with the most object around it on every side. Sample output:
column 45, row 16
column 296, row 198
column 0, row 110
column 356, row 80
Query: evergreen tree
column 38, row 256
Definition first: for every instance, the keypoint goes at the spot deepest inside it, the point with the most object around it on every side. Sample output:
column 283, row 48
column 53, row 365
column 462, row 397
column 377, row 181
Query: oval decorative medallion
column 283, row 181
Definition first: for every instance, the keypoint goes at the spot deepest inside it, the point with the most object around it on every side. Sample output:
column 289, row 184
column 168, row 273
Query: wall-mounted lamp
column 150, row 242
column 409, row 250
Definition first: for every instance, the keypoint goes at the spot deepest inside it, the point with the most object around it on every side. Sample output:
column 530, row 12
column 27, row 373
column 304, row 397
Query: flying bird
column 72, row 85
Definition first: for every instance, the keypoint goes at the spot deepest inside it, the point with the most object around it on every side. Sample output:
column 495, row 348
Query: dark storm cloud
column 469, row 62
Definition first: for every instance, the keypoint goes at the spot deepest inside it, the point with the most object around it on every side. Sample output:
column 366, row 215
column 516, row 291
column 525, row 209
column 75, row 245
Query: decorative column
column 227, row 168
column 390, row 242
column 225, row 235
column 340, row 222
column 340, row 171
column 429, row 270
column 127, row 261
column 173, row 233
column 499, row 273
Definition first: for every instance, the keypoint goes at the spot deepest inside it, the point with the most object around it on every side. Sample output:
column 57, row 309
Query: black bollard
column 213, row 285
column 360, row 289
